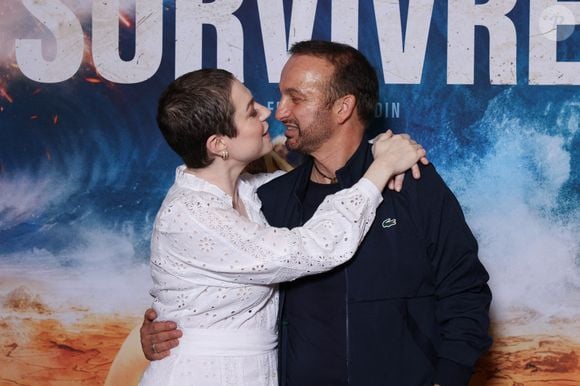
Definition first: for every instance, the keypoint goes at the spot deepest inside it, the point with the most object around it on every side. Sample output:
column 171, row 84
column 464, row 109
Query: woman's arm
column 196, row 239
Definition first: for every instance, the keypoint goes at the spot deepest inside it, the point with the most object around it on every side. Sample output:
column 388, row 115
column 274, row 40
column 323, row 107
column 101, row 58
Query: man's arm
column 463, row 296
column 158, row 338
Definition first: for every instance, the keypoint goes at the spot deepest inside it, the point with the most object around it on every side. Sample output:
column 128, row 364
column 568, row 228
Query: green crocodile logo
column 389, row 222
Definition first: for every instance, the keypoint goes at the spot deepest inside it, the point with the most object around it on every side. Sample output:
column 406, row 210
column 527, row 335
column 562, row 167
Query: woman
column 215, row 262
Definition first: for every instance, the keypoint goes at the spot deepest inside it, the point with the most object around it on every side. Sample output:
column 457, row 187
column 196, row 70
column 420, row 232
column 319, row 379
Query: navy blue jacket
column 417, row 294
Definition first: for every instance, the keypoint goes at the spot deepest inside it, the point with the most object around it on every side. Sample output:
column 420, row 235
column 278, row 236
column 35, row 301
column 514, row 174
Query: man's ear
column 344, row 107
column 215, row 145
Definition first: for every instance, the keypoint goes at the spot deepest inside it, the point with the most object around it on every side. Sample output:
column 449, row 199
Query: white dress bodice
column 215, row 274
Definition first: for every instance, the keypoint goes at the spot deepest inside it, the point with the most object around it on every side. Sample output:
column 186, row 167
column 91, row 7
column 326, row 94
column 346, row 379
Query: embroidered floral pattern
column 214, row 269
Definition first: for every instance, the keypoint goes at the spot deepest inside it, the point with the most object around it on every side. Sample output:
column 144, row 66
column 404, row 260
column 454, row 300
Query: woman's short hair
column 194, row 107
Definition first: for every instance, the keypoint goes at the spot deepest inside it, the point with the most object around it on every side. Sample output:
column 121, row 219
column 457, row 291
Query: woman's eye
column 253, row 113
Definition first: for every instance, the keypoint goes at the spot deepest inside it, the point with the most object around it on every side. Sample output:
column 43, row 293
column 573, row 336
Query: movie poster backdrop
column 490, row 88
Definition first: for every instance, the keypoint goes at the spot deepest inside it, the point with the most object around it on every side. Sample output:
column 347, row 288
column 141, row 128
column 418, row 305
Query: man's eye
column 253, row 113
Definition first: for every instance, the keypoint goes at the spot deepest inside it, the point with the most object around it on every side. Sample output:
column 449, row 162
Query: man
column 412, row 307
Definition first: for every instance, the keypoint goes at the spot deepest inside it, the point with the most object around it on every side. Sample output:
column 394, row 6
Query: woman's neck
column 225, row 177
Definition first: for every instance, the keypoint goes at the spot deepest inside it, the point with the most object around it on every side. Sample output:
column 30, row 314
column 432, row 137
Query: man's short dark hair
column 194, row 107
column 353, row 74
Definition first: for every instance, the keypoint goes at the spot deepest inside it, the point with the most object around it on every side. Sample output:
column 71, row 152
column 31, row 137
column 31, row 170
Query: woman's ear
column 344, row 107
column 215, row 145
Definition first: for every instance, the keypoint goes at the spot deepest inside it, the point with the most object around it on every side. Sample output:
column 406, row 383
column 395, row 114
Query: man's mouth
column 290, row 129
column 290, row 124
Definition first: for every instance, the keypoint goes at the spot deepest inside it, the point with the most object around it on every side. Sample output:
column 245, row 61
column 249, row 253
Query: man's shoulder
column 420, row 196
column 430, row 179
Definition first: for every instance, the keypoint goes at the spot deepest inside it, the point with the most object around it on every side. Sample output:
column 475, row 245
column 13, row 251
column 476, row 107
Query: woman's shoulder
column 180, row 198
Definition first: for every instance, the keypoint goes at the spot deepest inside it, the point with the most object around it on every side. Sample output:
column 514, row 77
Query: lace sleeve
column 201, row 239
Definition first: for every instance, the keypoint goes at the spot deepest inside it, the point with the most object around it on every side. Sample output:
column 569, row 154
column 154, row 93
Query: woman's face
column 253, row 140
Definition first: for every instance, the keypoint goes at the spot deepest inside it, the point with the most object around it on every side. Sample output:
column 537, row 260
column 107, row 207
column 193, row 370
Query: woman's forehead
column 240, row 95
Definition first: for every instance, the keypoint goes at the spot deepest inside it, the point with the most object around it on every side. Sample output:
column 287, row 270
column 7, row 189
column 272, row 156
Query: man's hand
column 158, row 338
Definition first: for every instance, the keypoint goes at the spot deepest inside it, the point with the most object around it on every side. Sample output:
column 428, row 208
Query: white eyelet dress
column 215, row 275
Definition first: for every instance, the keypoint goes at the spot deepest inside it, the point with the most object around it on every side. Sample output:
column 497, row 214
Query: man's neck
column 336, row 151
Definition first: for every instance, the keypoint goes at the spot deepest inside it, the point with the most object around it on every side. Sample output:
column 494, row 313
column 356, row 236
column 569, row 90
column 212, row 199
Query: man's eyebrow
column 293, row 92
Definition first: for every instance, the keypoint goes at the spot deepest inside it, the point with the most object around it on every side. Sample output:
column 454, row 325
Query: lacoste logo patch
column 389, row 222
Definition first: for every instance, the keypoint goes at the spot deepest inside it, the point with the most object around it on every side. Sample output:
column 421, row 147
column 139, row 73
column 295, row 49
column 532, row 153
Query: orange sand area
column 530, row 361
column 39, row 347
column 46, row 352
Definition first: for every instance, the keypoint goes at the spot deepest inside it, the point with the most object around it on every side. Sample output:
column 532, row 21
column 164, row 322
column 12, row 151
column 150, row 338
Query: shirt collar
column 193, row 182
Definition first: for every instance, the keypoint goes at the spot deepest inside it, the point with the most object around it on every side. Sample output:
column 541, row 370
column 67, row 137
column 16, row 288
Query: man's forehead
column 305, row 71
column 308, row 62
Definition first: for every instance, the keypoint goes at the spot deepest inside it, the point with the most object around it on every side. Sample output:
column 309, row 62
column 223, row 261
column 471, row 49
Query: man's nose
column 281, row 111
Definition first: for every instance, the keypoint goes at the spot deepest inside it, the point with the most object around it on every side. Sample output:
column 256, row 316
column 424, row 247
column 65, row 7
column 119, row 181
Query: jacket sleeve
column 462, row 294
column 200, row 241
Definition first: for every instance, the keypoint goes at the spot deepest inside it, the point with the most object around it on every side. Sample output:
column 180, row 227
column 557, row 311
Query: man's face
column 302, row 108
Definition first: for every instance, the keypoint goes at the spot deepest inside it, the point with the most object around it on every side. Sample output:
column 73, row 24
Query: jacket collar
column 356, row 166
column 303, row 177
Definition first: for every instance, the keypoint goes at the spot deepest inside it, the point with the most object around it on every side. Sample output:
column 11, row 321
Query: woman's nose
column 264, row 112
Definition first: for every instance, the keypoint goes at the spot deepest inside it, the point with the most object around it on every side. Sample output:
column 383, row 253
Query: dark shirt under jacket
column 416, row 297
column 316, row 328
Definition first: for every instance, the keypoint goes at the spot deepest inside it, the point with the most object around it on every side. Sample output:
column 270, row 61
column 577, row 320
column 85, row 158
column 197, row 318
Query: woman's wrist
column 379, row 173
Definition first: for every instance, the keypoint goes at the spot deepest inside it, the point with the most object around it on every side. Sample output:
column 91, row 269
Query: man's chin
column 291, row 140
column 292, row 145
